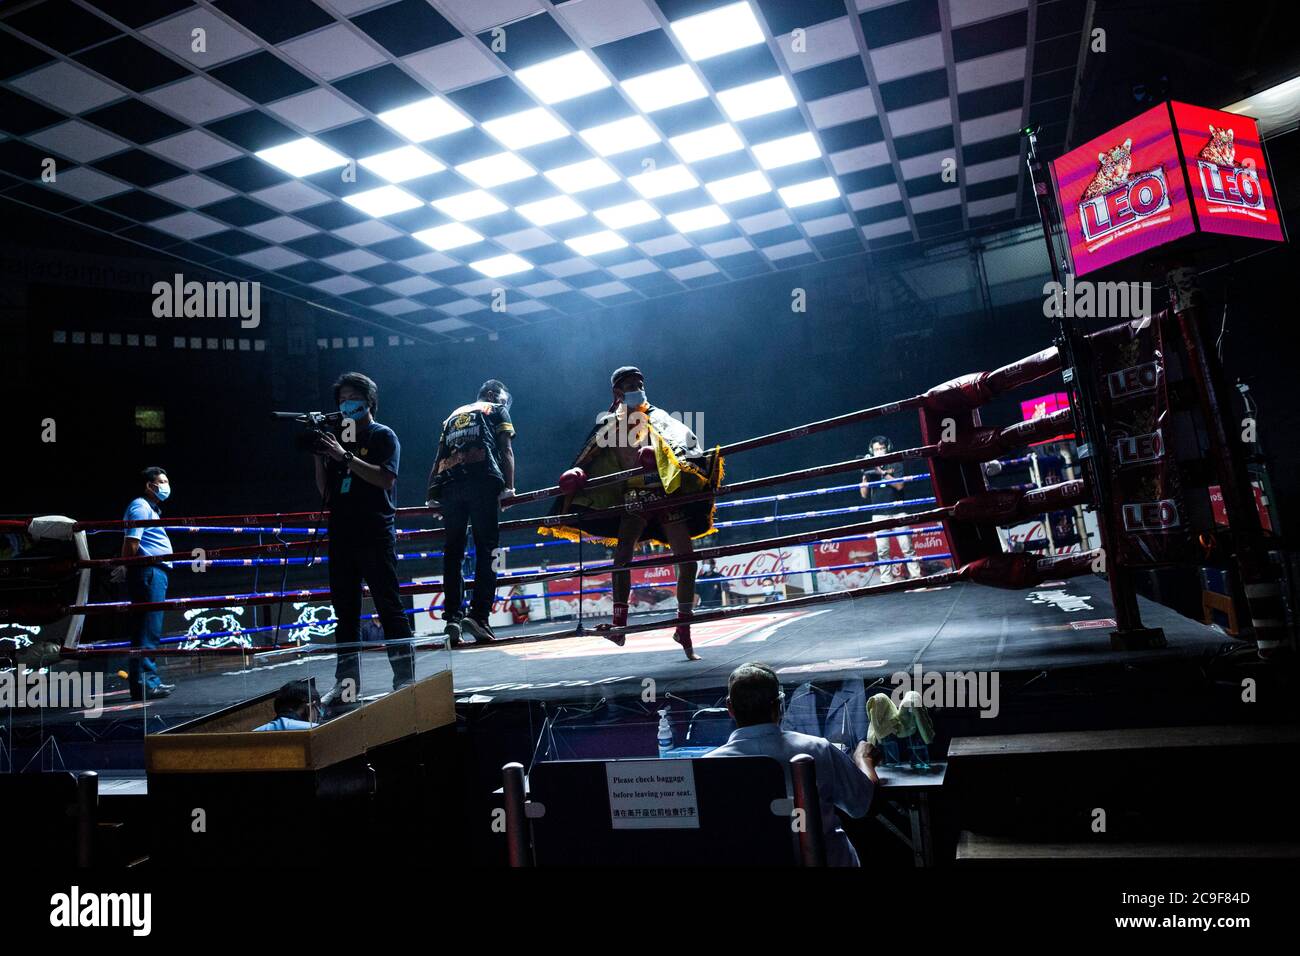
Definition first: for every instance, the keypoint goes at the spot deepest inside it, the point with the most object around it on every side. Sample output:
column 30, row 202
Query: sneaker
column 479, row 630
column 334, row 696
column 156, row 692
column 451, row 630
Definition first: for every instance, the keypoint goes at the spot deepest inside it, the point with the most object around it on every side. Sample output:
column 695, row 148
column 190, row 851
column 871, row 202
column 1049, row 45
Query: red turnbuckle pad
column 966, row 391
column 620, row 615
column 1028, row 369
column 1054, row 497
column 572, row 480
column 982, row 444
column 989, row 507
column 32, row 614
column 1036, row 429
column 43, row 570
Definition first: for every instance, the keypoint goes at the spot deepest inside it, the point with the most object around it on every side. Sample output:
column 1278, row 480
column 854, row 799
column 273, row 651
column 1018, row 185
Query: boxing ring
column 976, row 606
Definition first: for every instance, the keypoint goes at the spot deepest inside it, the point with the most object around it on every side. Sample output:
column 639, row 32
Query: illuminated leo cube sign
column 1167, row 173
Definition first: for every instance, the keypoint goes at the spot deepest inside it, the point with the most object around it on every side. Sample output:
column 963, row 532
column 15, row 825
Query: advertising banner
column 1171, row 171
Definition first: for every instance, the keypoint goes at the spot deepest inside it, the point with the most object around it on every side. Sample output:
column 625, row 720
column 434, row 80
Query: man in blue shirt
column 146, row 583
column 754, row 701
column 356, row 474
column 294, row 706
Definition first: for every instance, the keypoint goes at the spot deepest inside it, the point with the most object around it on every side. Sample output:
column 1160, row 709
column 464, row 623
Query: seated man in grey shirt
column 754, row 701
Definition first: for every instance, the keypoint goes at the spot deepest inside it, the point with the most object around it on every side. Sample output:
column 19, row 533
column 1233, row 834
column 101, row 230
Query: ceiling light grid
column 389, row 180
column 744, row 34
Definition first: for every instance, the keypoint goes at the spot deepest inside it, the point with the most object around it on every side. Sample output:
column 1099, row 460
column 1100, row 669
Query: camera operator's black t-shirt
column 886, row 494
column 358, row 509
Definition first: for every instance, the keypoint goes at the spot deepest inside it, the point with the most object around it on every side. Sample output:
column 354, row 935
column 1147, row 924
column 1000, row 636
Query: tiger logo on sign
column 1113, row 168
column 1220, row 150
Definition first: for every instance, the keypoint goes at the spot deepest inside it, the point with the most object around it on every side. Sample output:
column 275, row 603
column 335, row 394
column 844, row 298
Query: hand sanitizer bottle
column 665, row 734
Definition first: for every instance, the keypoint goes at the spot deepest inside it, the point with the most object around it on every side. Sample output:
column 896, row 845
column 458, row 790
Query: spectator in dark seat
column 754, row 701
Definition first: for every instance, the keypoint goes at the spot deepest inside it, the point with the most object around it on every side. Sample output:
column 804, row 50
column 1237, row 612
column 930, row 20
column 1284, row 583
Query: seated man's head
column 294, row 700
column 754, row 695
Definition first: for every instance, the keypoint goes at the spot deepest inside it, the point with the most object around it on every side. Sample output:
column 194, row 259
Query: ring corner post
column 812, row 841
column 512, row 778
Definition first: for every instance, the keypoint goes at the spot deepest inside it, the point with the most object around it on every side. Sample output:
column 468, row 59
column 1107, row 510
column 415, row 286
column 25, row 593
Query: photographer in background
column 887, row 494
column 146, row 583
column 356, row 472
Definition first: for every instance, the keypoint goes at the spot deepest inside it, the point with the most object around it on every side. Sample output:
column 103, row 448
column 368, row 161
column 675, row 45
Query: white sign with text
column 652, row 795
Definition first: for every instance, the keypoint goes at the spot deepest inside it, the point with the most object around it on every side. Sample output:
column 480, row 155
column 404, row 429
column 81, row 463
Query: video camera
column 318, row 425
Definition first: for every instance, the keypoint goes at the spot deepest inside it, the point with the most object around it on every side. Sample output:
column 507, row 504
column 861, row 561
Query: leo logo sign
column 1151, row 516
column 1230, row 185
column 1141, row 197
column 1134, row 380
column 1136, row 449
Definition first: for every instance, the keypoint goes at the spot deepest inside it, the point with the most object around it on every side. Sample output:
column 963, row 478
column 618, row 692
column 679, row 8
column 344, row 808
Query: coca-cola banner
column 1057, row 533
column 516, row 604
column 754, row 573
column 653, row 589
column 766, row 572
column 831, row 558
column 1150, row 514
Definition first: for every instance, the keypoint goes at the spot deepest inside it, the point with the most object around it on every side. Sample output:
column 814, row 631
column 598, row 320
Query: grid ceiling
column 407, row 161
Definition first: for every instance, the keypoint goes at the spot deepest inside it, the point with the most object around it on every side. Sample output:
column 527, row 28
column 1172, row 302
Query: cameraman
column 473, row 470
column 356, row 472
column 887, row 494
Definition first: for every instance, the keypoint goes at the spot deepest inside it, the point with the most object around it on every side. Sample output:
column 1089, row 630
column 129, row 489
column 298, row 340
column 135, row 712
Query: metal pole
column 1259, row 580
column 1094, row 458
column 812, row 841
column 512, row 779
column 581, row 582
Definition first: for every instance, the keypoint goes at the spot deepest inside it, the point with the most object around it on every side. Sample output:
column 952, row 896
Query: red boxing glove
column 647, row 458
column 572, row 480
column 1018, row 570
column 1025, row 570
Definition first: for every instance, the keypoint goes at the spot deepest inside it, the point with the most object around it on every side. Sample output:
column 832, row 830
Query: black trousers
column 373, row 561
column 470, row 502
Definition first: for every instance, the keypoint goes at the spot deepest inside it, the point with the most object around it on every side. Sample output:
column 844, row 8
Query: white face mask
column 634, row 399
